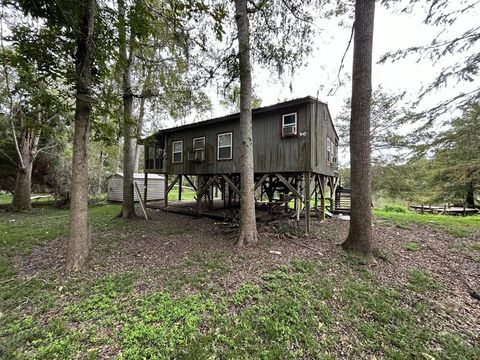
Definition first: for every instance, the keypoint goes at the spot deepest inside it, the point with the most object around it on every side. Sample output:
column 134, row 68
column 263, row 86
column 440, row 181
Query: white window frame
column 295, row 125
column 225, row 146
column 176, row 152
column 329, row 151
column 193, row 143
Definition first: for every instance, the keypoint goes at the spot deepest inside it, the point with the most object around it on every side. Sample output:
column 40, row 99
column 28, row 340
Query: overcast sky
column 392, row 32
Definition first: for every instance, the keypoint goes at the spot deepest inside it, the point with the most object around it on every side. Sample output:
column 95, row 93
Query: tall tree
column 79, row 240
column 360, row 232
column 125, row 59
column 457, row 160
column 28, row 104
column 248, row 224
column 280, row 32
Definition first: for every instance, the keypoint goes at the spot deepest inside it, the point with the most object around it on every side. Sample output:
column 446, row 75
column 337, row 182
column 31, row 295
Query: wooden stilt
column 322, row 194
column 306, row 178
column 145, row 189
column 165, row 194
column 199, row 196
column 179, row 187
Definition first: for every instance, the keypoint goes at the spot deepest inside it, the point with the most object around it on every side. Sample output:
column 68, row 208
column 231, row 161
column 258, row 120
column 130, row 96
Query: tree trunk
column 79, row 241
column 470, row 197
column 248, row 225
column 21, row 198
column 360, row 233
column 101, row 177
column 128, row 204
column 136, row 158
column 27, row 149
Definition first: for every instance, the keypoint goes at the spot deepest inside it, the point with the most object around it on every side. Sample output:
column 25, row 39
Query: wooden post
column 298, row 201
column 137, row 190
column 145, row 192
column 444, row 209
column 306, row 177
column 165, row 195
column 464, row 212
column 331, row 194
column 322, row 193
column 179, row 187
column 422, row 209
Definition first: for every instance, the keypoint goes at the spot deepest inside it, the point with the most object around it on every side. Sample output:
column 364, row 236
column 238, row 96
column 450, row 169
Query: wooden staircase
column 342, row 201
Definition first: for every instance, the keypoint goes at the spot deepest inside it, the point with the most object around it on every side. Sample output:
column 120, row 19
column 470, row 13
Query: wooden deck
column 219, row 212
column 444, row 210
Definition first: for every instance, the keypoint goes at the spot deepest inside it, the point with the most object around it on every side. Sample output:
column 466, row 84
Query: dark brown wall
column 272, row 152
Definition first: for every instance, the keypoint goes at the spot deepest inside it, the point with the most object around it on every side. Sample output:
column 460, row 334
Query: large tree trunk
column 360, row 234
column 136, row 158
column 248, row 225
column 27, row 150
column 79, row 241
column 470, row 196
column 128, row 204
column 21, row 198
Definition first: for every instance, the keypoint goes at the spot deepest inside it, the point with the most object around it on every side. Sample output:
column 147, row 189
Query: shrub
column 395, row 208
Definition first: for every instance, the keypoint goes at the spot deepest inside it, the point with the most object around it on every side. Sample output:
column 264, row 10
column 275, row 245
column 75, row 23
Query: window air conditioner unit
column 196, row 156
column 289, row 130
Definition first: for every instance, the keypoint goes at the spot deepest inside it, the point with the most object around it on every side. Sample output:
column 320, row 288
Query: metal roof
column 139, row 176
column 260, row 110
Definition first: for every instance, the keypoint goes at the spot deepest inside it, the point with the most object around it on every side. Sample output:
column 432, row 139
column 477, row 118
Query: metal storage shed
column 155, row 182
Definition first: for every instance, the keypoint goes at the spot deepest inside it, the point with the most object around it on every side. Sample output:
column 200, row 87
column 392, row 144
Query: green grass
column 421, row 281
column 301, row 309
column 5, row 199
column 411, row 246
column 457, row 226
column 187, row 194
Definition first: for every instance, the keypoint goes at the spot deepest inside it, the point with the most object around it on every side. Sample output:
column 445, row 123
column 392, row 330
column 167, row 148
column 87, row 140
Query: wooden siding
column 272, row 153
column 322, row 127
column 115, row 188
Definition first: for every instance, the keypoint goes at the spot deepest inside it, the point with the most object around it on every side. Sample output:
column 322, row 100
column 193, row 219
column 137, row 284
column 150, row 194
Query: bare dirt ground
column 171, row 243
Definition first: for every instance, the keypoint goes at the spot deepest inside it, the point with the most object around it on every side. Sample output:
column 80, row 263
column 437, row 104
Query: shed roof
column 259, row 110
column 139, row 176
column 304, row 100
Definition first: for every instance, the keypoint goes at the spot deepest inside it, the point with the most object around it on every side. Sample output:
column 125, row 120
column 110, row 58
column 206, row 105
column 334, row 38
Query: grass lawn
column 199, row 307
column 187, row 194
column 458, row 226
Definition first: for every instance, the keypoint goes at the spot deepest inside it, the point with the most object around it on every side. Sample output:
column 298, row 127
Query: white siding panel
column 115, row 189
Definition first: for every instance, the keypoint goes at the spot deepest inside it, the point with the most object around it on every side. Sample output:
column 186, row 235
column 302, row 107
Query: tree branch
column 9, row 158
column 333, row 92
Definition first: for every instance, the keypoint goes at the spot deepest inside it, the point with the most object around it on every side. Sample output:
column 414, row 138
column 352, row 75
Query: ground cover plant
column 176, row 287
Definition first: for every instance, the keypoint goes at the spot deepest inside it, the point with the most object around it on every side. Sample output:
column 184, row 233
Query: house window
column 289, row 124
column 329, row 151
column 150, row 156
column 199, row 143
column 224, row 146
column 177, row 151
column 335, row 152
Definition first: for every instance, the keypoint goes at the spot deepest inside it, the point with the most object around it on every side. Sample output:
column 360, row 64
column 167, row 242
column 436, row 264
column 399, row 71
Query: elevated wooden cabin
column 295, row 149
